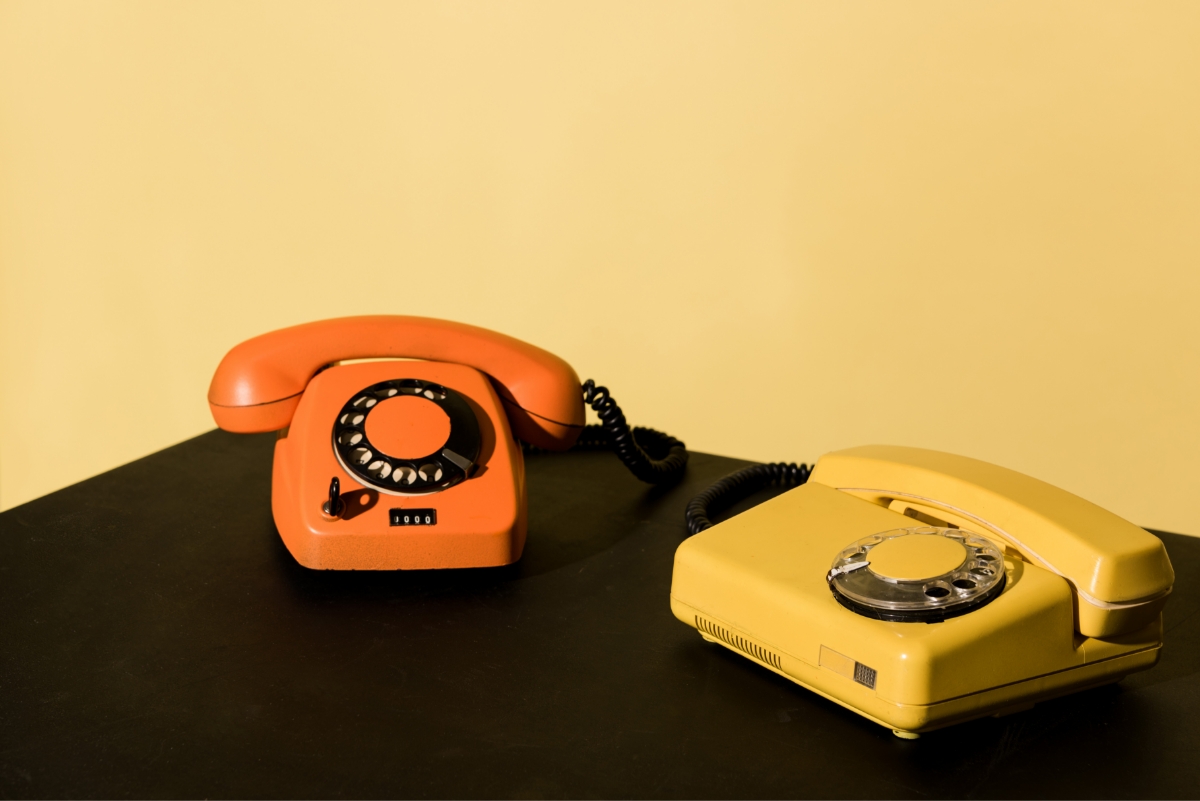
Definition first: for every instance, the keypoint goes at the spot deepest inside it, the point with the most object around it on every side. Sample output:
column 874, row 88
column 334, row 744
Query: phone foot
column 905, row 735
column 706, row 638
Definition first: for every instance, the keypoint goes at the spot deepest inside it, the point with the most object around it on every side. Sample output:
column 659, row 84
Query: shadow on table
column 549, row 545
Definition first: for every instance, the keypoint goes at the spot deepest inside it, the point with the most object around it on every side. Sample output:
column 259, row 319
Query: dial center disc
column 408, row 427
column 915, row 557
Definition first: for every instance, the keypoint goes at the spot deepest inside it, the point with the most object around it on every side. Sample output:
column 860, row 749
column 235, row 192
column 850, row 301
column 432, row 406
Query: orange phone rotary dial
column 427, row 458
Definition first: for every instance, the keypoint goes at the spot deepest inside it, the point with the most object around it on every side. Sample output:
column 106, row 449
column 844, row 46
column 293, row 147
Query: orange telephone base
column 475, row 523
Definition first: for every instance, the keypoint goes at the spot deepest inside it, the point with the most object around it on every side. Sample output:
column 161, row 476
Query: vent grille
column 864, row 675
column 745, row 646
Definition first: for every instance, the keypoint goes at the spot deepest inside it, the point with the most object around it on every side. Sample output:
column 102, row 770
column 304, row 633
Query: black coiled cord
column 652, row 456
column 737, row 486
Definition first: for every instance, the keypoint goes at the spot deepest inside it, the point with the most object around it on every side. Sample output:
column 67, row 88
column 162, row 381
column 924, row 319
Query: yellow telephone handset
column 1120, row 573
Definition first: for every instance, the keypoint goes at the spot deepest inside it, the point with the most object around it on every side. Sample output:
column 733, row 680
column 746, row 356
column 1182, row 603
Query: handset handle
column 1119, row 572
column 258, row 384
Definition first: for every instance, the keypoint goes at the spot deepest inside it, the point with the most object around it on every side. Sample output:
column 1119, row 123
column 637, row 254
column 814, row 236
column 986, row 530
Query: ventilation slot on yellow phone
column 740, row 643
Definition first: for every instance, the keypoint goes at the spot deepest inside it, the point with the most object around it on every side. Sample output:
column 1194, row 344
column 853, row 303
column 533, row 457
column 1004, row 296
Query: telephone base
column 757, row 584
column 480, row 522
column 914, row 719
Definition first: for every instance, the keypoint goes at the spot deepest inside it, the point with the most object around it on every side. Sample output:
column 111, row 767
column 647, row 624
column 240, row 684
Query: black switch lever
column 334, row 506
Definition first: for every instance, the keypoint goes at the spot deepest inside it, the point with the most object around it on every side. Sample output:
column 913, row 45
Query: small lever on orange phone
column 334, row 506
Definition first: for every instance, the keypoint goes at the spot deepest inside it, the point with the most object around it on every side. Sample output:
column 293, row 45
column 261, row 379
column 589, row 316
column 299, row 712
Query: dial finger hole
column 431, row 472
column 350, row 437
column 983, row 571
column 404, row 475
column 379, row 469
column 361, row 456
column 434, row 394
column 351, row 418
column 364, row 402
column 387, row 393
column 964, row 583
column 938, row 590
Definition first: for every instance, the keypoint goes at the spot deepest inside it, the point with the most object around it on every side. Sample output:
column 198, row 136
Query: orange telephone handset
column 394, row 464
column 259, row 383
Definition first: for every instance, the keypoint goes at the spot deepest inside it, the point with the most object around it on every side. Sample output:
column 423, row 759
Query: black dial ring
column 451, row 464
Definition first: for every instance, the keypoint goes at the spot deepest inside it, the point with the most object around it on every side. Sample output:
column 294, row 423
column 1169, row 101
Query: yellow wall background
column 773, row 229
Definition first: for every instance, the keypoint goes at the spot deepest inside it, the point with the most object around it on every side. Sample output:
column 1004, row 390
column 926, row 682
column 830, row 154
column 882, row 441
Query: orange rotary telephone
column 411, row 464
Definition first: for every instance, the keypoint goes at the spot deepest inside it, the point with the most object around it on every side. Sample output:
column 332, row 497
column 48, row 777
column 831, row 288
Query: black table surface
column 159, row 640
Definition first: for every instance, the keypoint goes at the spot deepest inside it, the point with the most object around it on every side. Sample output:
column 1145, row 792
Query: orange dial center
column 408, row 427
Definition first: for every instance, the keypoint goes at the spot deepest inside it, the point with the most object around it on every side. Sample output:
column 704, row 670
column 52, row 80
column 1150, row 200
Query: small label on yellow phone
column 845, row 666
column 841, row 665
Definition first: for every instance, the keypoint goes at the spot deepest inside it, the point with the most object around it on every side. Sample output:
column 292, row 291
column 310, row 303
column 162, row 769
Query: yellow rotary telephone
column 921, row 589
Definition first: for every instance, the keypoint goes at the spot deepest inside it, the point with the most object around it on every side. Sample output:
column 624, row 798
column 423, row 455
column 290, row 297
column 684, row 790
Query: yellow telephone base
column 910, row 720
column 757, row 585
